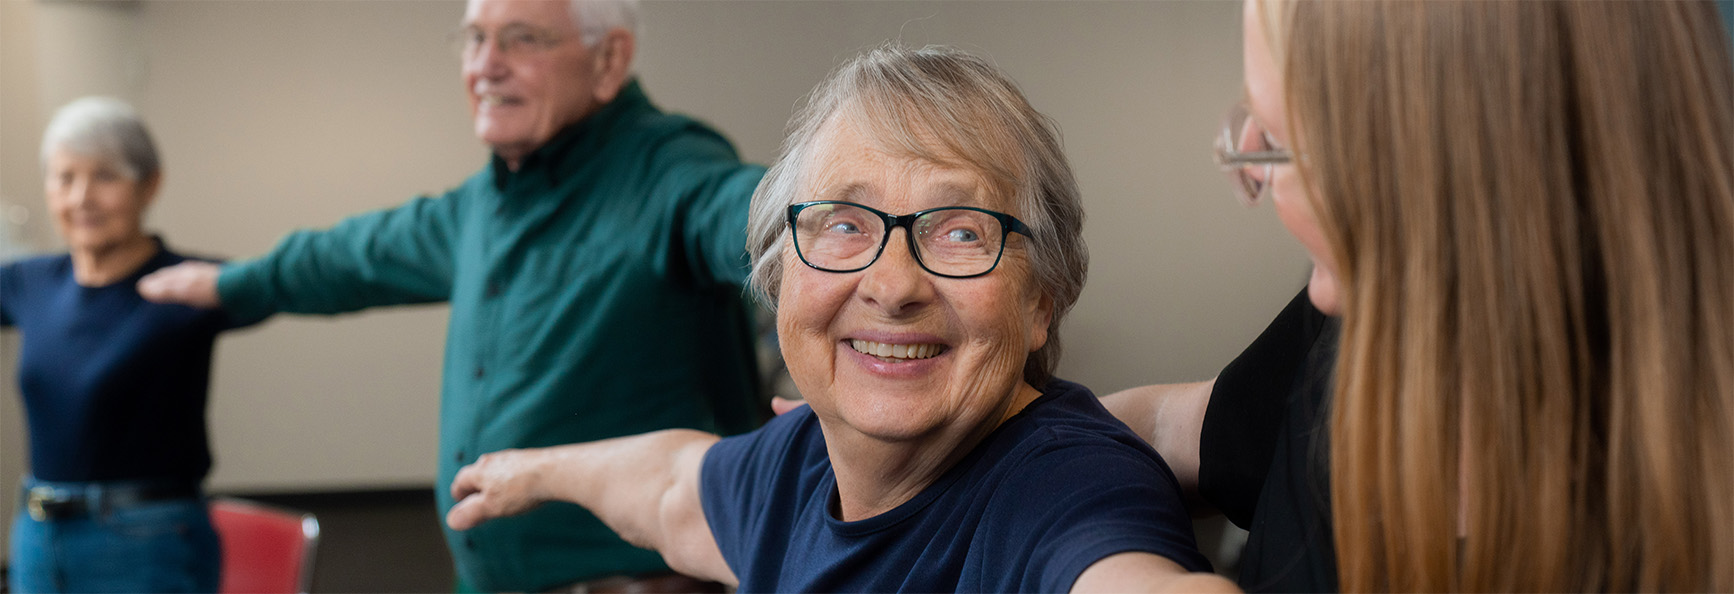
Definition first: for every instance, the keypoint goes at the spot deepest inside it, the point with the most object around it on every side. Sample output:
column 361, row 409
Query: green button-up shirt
column 595, row 292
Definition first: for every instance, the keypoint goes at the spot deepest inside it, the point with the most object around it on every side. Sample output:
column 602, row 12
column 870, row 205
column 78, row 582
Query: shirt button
column 460, row 456
column 493, row 289
column 478, row 372
column 469, row 543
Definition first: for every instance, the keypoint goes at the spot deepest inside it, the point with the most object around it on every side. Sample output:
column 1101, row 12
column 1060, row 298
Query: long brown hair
column 1531, row 205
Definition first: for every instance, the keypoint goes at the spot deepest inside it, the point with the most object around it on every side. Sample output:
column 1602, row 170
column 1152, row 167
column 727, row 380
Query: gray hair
column 596, row 17
column 103, row 128
column 909, row 100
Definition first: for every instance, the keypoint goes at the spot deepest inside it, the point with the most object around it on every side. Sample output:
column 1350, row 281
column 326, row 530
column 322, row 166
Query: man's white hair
column 596, row 17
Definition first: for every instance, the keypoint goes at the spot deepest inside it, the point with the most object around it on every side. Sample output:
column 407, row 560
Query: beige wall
column 278, row 115
column 19, row 111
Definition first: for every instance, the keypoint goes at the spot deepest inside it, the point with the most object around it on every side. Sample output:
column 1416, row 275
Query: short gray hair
column 596, row 17
column 103, row 128
column 908, row 99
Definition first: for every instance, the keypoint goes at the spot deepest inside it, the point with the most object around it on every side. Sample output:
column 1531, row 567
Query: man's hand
column 503, row 483
column 188, row 283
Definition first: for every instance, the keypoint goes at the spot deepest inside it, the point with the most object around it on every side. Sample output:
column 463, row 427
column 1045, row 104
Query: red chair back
column 266, row 549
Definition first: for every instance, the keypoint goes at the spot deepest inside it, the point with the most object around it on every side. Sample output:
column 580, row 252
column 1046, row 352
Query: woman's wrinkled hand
column 503, row 483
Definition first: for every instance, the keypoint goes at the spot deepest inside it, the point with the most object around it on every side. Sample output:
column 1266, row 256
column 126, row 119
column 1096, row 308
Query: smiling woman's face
column 956, row 346
column 94, row 204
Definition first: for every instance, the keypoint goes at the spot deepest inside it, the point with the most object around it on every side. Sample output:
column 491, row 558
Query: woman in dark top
column 1523, row 216
column 114, row 387
column 927, row 459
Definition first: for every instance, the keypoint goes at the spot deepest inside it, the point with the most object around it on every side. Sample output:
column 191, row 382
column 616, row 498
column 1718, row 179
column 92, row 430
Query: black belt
column 46, row 502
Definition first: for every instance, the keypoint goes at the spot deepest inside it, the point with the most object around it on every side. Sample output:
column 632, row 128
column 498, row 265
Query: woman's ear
column 1041, row 318
column 147, row 188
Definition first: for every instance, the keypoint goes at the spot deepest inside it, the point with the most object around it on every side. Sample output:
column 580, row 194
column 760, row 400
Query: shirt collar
column 578, row 141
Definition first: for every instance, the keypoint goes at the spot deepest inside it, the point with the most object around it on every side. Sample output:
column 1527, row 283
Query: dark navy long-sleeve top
column 114, row 386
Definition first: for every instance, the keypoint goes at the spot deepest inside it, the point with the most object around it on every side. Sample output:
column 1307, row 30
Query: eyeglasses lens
column 838, row 237
column 949, row 242
column 1242, row 150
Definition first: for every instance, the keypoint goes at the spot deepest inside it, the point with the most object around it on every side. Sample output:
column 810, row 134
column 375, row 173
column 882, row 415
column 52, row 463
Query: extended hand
column 188, row 283
column 503, row 483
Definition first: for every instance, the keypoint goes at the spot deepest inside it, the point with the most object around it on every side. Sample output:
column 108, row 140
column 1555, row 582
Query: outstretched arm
column 644, row 487
column 191, row 283
column 395, row 256
column 1144, row 572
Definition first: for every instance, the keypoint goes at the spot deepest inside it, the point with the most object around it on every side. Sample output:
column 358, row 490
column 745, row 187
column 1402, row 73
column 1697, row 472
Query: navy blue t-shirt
column 114, row 386
column 1053, row 490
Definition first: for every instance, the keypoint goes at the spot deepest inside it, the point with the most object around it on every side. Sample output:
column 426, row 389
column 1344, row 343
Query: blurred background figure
column 114, row 386
column 595, row 268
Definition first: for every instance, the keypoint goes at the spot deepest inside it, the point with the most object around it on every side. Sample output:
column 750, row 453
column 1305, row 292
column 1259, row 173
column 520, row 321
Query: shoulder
column 754, row 486
column 1069, row 415
column 171, row 256
column 24, row 283
column 679, row 141
column 789, row 442
column 1079, row 486
column 781, row 461
column 36, row 269
column 672, row 136
column 1065, row 446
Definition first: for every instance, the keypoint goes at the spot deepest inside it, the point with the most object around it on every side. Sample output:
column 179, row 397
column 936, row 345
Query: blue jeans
column 158, row 546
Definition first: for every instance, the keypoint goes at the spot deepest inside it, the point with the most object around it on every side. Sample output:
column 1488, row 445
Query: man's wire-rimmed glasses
column 950, row 241
column 510, row 40
column 1245, row 152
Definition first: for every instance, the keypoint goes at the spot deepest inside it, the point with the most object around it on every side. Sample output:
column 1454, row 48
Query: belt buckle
column 39, row 495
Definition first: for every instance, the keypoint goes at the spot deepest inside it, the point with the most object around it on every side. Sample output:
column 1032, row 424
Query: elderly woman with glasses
column 114, row 387
column 920, row 238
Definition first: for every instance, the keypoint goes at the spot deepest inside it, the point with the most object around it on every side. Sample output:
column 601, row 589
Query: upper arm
column 710, row 189
column 1251, row 401
column 687, row 542
column 1145, row 572
column 1171, row 418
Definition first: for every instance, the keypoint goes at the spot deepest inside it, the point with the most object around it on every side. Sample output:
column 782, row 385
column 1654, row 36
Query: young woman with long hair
column 1522, row 214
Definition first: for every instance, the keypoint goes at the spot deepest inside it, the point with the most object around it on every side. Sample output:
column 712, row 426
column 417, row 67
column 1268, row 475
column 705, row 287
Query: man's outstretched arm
column 393, row 256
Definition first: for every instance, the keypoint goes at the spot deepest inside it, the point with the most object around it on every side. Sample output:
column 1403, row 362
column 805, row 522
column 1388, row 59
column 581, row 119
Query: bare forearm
column 1144, row 572
column 644, row 487
column 631, row 482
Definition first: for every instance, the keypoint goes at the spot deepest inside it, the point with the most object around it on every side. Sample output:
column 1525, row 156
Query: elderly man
column 594, row 267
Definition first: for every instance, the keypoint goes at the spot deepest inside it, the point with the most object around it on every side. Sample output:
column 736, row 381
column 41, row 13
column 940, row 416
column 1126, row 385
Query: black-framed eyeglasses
column 950, row 241
column 1242, row 148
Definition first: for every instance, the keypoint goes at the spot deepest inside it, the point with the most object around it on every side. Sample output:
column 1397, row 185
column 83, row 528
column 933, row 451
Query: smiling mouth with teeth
column 892, row 353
